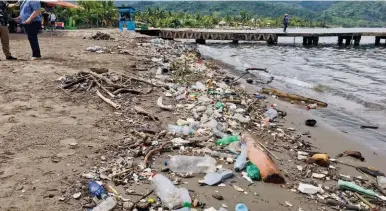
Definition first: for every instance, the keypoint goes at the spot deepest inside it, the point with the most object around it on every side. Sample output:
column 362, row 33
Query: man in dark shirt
column 285, row 22
column 4, row 33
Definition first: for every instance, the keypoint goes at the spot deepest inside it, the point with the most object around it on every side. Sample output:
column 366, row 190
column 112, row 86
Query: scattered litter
column 237, row 188
column 354, row 154
column 77, row 195
column 310, row 122
column 241, row 207
column 309, row 189
column 288, row 203
column 217, row 196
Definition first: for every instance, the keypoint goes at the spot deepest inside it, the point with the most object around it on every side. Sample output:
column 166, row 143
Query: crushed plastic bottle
column 227, row 140
column 309, row 189
column 241, row 118
column 381, row 180
column 241, row 160
column 97, row 190
column 185, row 130
column 241, row 207
column 192, row 164
column 170, row 195
column 106, row 205
column 199, row 86
column 271, row 114
column 216, row 177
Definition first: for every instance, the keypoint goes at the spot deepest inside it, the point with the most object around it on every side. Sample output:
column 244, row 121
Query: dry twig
column 108, row 101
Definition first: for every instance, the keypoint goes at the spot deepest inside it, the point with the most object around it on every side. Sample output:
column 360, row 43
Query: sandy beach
column 39, row 121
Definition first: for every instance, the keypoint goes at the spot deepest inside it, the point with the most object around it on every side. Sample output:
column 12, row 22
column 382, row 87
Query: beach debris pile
column 218, row 135
column 101, row 36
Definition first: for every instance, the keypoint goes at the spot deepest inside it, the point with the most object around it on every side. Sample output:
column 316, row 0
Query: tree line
column 105, row 14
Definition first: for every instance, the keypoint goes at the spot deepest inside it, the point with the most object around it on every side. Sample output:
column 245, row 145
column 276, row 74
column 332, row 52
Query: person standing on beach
column 31, row 19
column 285, row 22
column 52, row 21
column 4, row 33
column 45, row 19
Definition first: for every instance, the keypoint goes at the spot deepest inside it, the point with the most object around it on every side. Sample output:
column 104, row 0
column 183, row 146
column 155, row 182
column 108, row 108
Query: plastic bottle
column 106, row 205
column 180, row 129
column 271, row 113
column 97, row 190
column 241, row 207
column 309, row 189
column 209, row 110
column 241, row 160
column 227, row 140
column 219, row 133
column 253, row 172
column 221, row 155
column 220, row 106
column 381, row 180
column 192, row 164
column 170, row 195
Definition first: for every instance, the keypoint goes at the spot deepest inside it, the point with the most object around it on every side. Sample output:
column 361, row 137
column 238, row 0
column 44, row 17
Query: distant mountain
column 346, row 14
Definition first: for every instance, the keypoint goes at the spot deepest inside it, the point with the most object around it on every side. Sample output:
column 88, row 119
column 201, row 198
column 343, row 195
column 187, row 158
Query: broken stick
column 142, row 80
column 149, row 154
column 125, row 90
column 102, row 87
column 142, row 111
column 108, row 101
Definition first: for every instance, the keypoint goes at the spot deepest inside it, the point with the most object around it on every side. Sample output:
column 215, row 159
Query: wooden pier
column 201, row 35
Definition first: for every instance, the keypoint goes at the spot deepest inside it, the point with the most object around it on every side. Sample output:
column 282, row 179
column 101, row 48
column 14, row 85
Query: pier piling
column 200, row 41
column 271, row 37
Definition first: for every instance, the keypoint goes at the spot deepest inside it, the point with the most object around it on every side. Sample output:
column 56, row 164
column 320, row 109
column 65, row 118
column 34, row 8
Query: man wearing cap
column 4, row 33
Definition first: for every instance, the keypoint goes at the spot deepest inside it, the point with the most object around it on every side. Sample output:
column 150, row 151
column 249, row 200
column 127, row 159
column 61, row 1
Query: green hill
column 346, row 14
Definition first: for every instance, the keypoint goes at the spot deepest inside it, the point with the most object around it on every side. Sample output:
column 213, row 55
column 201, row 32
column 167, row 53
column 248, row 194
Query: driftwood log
column 268, row 170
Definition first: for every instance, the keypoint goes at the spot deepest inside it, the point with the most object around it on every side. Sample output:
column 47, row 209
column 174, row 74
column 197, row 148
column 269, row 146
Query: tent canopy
column 61, row 3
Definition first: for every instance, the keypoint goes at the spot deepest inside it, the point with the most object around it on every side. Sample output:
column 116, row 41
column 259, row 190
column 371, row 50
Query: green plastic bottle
column 253, row 172
column 220, row 106
column 227, row 140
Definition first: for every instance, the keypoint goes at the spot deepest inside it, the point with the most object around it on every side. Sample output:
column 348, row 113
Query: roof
column 62, row 3
column 126, row 9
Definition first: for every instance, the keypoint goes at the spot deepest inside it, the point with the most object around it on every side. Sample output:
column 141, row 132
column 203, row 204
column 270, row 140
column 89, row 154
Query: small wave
column 294, row 81
column 320, row 88
column 354, row 98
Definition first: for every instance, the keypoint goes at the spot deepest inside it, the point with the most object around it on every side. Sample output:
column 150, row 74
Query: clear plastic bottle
column 192, row 164
column 219, row 133
column 180, row 129
column 241, row 160
column 381, row 180
column 271, row 113
column 170, row 195
column 106, row 205
column 221, row 155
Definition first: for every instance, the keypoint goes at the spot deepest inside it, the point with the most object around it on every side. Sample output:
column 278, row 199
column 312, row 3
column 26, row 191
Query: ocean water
column 352, row 80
